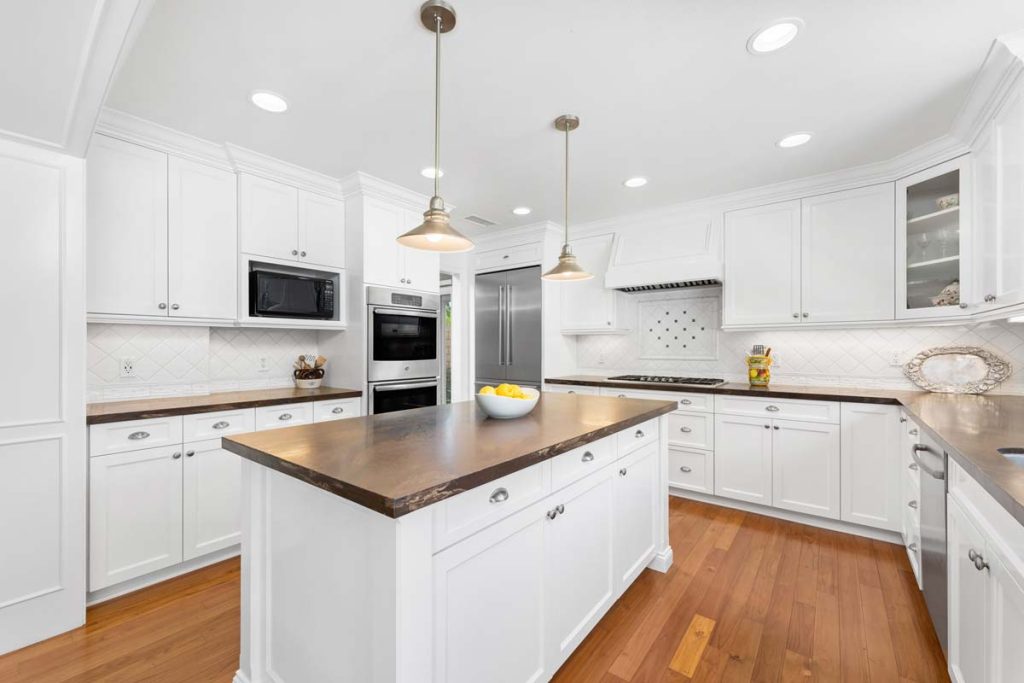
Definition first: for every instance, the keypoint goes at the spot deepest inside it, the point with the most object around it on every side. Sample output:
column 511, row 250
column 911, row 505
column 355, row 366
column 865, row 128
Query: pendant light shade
column 568, row 268
column 436, row 232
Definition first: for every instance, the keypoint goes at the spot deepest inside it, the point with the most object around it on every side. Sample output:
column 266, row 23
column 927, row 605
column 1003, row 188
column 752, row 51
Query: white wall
column 178, row 360
column 856, row 357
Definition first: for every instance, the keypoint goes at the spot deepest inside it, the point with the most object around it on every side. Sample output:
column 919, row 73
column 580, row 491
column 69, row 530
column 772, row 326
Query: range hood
column 664, row 255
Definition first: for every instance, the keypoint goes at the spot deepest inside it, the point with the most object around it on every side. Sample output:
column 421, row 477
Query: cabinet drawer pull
column 685, row 402
column 552, row 513
column 912, row 505
column 902, row 419
column 189, row 454
column 587, row 457
column 912, row 432
column 623, row 472
column 685, row 430
column 686, row 469
column 176, row 456
column 284, row 416
column 621, row 396
column 772, row 409
column 338, row 410
column 138, row 436
column 570, row 392
column 223, row 424
column 912, row 547
column 499, row 495
column 639, row 434
column 560, row 508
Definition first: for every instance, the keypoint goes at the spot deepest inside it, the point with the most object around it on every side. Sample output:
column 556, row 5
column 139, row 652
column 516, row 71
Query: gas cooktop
column 668, row 379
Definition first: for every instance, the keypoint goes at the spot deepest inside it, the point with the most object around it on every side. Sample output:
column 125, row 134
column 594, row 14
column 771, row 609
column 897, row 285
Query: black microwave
column 275, row 294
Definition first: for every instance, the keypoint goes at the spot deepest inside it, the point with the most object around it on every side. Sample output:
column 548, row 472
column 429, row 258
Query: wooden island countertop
column 398, row 462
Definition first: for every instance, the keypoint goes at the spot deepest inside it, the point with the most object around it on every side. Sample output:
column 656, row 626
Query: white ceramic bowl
column 505, row 408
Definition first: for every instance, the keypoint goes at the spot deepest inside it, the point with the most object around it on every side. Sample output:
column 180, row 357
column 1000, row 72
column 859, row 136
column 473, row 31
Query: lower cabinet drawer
column 696, row 430
column 132, row 435
column 579, row 462
column 637, row 437
column 272, row 417
column 571, row 389
column 324, row 411
column 780, row 408
column 691, row 469
column 470, row 511
column 201, row 426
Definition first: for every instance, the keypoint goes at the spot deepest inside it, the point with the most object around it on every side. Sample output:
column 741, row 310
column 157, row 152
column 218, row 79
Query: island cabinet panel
column 805, row 467
column 211, row 515
column 871, row 472
column 489, row 620
column 580, row 582
column 636, row 504
column 579, row 462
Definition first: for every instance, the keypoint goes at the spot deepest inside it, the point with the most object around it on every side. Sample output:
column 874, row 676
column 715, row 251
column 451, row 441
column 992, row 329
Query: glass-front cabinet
column 933, row 212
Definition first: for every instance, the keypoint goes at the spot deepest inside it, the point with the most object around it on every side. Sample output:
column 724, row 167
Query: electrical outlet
column 127, row 368
column 601, row 359
column 261, row 364
column 894, row 360
column 776, row 361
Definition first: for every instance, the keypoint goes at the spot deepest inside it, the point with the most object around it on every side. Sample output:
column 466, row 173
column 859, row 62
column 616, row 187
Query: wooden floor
column 749, row 598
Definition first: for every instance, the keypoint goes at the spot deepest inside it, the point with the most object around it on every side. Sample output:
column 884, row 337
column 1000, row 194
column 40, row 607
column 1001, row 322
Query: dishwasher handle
column 934, row 473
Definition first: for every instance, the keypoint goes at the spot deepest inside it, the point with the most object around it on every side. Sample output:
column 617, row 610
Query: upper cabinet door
column 762, row 265
column 1009, row 218
column 321, row 230
column 202, row 241
column 847, row 256
column 268, row 217
column 587, row 306
column 127, row 219
column 420, row 269
column 985, row 160
column 381, row 225
column 933, row 211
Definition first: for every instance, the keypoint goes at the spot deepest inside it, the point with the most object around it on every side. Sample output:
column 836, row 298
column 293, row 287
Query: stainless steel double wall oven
column 402, row 336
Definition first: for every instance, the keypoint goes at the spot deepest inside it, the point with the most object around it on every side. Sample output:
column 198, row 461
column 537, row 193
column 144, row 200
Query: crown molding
column 366, row 185
column 521, row 234
column 992, row 84
column 254, row 163
column 123, row 126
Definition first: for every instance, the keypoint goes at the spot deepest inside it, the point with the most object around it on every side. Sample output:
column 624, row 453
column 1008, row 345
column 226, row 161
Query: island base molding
column 333, row 591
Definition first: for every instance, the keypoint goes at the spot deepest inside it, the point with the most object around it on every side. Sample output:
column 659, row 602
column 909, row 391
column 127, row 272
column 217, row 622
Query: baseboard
column 662, row 561
column 132, row 585
column 800, row 518
column 239, row 677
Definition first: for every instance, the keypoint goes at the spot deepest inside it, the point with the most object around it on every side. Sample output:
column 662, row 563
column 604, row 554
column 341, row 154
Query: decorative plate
column 957, row 370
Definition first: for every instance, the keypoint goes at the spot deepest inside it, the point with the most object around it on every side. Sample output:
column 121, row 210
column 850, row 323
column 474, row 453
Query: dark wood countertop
column 396, row 463
column 970, row 427
column 116, row 411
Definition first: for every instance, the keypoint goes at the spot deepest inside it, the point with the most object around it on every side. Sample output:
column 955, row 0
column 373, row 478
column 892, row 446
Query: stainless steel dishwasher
column 931, row 460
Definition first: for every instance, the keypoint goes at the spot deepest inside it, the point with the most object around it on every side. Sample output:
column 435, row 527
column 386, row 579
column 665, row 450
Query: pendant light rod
column 437, row 104
column 568, row 268
column 566, row 123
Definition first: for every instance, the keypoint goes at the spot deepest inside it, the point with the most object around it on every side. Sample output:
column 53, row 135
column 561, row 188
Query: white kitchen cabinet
column 268, row 217
column 202, row 241
column 762, row 265
column 489, row 595
column 321, row 230
column 635, row 507
column 580, row 582
column 872, row 472
column 339, row 409
column 1006, row 619
column 588, row 307
column 846, row 261
column 287, row 415
column 743, row 458
column 930, row 241
column 805, row 467
column 572, row 389
column 389, row 264
column 968, row 600
column 212, row 505
column 135, row 514
column 691, row 469
column 126, row 245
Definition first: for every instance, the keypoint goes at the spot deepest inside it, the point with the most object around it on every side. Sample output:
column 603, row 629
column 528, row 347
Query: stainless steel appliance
column 402, row 335
column 508, row 327
column 931, row 461
column 388, row 397
column 669, row 379
column 281, row 292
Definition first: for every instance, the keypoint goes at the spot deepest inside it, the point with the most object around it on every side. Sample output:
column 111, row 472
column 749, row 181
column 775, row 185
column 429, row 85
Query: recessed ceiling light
column 635, row 182
column 269, row 101
column 794, row 140
column 428, row 172
column 521, row 210
column 775, row 36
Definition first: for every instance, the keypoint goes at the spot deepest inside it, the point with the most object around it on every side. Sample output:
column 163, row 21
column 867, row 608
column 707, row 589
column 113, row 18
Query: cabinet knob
column 685, row 430
column 176, row 456
column 175, row 307
column 284, row 416
column 623, row 472
column 295, row 252
column 162, row 306
column 912, row 505
column 639, row 434
column 504, row 257
column 807, row 315
column 499, row 495
column 222, row 424
column 912, row 547
column 189, row 454
column 796, row 315
column 587, row 457
column 912, row 432
column 560, row 508
column 902, row 419
column 913, row 466
column 408, row 281
column 608, row 323
column 963, row 304
column 686, row 469
column 302, row 253
column 767, row 426
column 338, row 411
column 989, row 298
column 552, row 513
column 775, row 427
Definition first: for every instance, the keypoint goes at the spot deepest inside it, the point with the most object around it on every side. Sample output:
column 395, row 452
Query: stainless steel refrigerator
column 508, row 327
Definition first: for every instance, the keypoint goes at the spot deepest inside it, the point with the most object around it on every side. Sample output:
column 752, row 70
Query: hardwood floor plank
column 742, row 651
column 826, row 649
column 853, row 649
column 881, row 655
column 771, row 655
column 691, row 646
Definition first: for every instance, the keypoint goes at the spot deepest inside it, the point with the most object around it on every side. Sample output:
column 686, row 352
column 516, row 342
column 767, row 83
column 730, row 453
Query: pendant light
column 436, row 233
column 568, row 268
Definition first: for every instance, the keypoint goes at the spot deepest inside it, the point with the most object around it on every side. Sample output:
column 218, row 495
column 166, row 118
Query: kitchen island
column 439, row 545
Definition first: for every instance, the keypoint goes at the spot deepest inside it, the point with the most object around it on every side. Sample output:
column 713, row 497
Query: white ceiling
column 664, row 88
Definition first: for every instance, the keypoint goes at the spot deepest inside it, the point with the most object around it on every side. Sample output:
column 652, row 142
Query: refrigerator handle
column 508, row 325
column 501, row 324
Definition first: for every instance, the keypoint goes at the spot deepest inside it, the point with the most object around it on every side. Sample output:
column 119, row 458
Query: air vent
column 482, row 222
column 670, row 285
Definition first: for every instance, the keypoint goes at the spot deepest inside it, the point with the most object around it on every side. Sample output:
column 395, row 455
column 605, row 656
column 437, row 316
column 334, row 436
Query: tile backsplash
column 861, row 357
column 176, row 360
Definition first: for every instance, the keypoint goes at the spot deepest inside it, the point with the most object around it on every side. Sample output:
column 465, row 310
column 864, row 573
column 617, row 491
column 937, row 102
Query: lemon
column 506, row 390
column 487, row 391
